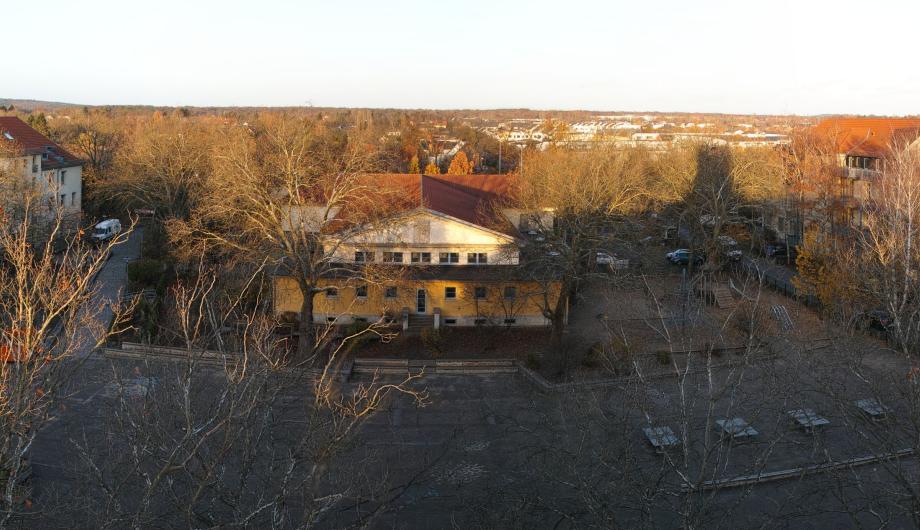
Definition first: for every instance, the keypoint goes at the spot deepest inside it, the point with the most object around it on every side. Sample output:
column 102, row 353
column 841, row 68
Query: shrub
column 622, row 366
column 664, row 357
column 433, row 339
column 289, row 317
column 146, row 320
column 595, row 354
column 155, row 243
column 354, row 329
column 619, row 347
column 146, row 272
column 532, row 361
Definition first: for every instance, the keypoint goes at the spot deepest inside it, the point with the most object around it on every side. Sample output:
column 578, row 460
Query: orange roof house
column 869, row 137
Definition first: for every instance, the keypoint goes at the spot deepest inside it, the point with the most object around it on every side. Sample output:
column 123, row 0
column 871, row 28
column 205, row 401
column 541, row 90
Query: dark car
column 682, row 257
column 879, row 319
column 780, row 250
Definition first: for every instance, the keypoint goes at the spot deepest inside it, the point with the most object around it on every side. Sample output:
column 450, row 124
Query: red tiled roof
column 869, row 136
column 470, row 198
column 33, row 142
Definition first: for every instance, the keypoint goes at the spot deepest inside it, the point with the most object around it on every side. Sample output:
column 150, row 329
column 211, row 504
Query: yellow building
column 453, row 259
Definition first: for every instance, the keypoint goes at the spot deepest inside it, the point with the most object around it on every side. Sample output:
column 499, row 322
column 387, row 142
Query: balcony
column 856, row 173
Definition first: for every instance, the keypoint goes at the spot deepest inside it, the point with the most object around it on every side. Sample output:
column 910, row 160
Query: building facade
column 451, row 258
column 860, row 147
column 37, row 161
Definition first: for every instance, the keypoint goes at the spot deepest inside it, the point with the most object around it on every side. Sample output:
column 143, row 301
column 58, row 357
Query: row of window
column 444, row 258
column 447, row 321
column 73, row 199
column 450, row 293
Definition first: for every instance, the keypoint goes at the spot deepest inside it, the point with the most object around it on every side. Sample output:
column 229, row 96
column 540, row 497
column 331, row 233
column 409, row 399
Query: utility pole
column 499, row 155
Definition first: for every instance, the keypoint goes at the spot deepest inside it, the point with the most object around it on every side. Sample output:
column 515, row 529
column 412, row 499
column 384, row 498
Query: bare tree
column 278, row 191
column 236, row 437
column 583, row 192
column 50, row 320
column 887, row 253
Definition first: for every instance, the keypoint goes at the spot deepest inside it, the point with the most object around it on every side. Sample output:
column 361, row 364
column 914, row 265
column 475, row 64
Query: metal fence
column 782, row 285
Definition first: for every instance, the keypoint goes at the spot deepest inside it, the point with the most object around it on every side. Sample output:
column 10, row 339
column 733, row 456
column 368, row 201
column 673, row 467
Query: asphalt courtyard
column 493, row 452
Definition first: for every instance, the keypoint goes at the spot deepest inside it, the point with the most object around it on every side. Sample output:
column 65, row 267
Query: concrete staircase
column 419, row 322
column 723, row 296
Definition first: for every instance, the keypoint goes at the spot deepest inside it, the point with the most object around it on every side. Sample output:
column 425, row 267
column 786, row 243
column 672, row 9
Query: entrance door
column 420, row 301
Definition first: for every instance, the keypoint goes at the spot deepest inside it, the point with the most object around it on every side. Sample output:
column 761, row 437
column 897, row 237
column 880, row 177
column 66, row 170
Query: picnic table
column 808, row 419
column 661, row 437
column 736, row 428
column 873, row 408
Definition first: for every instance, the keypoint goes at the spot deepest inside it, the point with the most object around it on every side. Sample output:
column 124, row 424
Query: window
column 390, row 292
column 477, row 257
column 450, row 293
column 73, row 198
column 480, row 293
column 63, row 197
column 479, row 321
column 421, row 257
column 332, row 292
column 510, row 321
column 392, row 257
column 510, row 292
column 361, row 291
column 449, row 257
column 529, row 221
column 330, row 319
column 363, row 256
column 63, row 177
column 450, row 321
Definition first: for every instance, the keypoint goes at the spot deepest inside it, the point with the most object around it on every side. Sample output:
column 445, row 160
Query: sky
column 740, row 56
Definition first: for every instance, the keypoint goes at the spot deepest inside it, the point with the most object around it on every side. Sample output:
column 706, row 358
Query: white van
column 106, row 230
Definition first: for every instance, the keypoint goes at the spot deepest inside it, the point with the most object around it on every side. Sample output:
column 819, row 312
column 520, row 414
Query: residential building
column 41, row 162
column 860, row 146
column 450, row 256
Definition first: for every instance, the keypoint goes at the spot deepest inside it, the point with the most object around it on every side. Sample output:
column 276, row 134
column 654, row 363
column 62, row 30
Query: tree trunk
column 557, row 326
column 305, row 328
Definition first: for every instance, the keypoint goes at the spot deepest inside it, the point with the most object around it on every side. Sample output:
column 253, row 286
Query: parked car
column 879, row 319
column 780, row 250
column 671, row 256
column 106, row 230
column 730, row 248
column 681, row 256
column 603, row 258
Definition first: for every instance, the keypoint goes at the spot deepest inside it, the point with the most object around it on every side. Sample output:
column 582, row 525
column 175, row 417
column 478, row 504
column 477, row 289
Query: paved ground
column 492, row 452
column 110, row 284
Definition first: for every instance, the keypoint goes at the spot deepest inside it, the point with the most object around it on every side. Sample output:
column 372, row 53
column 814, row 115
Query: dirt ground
column 641, row 317
column 462, row 343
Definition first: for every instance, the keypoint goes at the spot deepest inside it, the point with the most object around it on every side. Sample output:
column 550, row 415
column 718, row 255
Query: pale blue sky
column 780, row 56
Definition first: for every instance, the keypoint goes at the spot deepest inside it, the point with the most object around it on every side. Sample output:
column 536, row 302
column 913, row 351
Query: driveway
column 110, row 284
